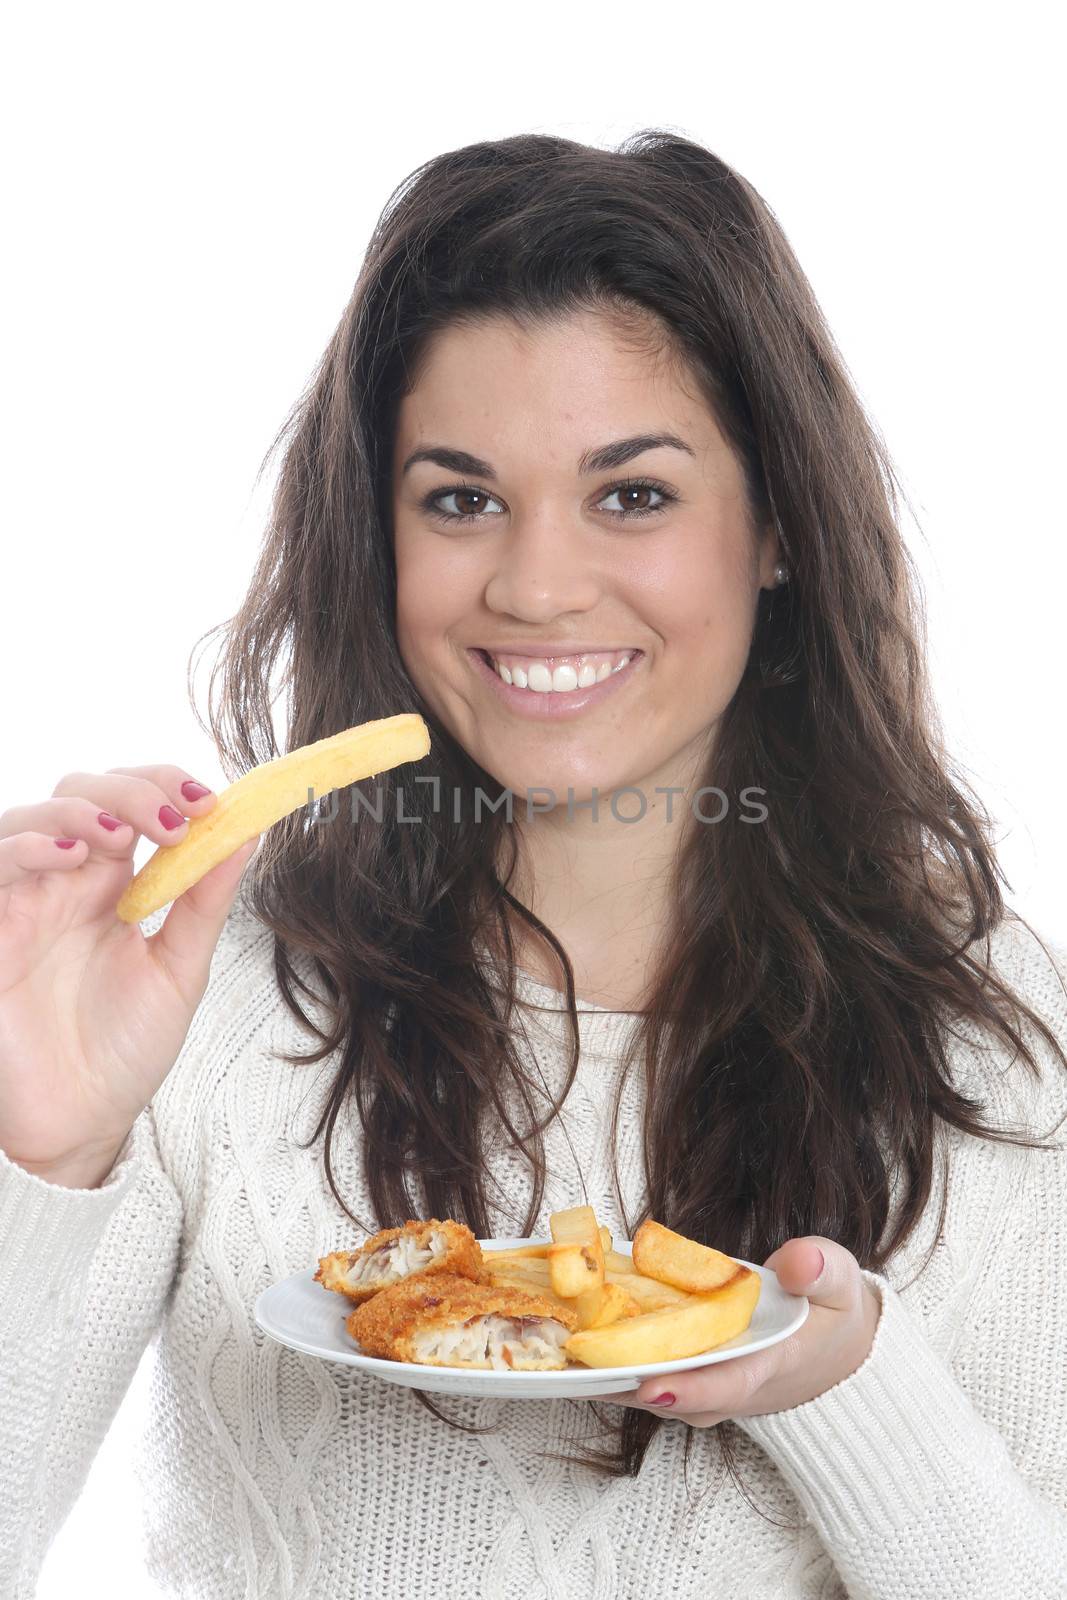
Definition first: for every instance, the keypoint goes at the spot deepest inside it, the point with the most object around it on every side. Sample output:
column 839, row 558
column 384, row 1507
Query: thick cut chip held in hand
column 264, row 796
column 703, row 1323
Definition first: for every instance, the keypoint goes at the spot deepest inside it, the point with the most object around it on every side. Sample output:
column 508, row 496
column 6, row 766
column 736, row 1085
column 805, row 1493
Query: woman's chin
column 537, row 791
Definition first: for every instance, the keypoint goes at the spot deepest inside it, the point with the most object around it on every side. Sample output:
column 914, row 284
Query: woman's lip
column 529, row 703
column 558, row 654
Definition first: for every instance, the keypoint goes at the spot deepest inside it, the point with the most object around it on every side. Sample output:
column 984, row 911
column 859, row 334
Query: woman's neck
column 604, row 888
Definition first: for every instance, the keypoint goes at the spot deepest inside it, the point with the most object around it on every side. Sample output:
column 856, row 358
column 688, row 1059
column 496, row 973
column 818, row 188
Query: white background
column 189, row 192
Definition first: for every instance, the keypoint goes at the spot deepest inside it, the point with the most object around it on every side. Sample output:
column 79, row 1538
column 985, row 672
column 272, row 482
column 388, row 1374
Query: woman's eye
column 629, row 489
column 467, row 492
column 460, row 494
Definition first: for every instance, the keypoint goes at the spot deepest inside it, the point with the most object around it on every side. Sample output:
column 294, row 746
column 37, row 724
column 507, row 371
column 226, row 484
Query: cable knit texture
column 938, row 1468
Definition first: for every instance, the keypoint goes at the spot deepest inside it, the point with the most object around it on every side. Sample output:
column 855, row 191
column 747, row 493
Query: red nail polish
column 194, row 791
column 65, row 844
column 662, row 1400
column 106, row 820
column 170, row 818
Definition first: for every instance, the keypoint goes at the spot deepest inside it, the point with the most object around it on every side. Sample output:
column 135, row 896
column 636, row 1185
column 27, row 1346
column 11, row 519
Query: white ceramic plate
column 300, row 1313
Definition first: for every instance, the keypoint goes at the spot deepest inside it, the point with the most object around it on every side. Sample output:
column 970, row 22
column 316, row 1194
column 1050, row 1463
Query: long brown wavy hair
column 816, row 959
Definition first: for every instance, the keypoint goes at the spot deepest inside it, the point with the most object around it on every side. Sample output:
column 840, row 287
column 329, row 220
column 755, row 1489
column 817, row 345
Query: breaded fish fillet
column 447, row 1321
column 398, row 1253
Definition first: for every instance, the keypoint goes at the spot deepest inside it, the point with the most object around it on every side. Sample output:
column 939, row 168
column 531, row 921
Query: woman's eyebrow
column 602, row 460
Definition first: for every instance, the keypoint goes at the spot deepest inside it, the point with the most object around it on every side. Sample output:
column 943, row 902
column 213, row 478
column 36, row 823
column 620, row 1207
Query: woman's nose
column 541, row 568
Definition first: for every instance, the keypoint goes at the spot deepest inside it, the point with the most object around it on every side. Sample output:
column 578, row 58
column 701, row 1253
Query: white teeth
column 563, row 679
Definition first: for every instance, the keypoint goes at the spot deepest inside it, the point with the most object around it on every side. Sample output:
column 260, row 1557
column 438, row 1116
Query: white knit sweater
column 939, row 1468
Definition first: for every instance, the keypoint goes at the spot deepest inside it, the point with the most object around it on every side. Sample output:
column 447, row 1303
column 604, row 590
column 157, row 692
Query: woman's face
column 544, row 570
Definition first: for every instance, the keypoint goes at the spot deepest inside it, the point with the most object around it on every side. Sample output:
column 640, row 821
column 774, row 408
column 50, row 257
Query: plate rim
column 380, row 1366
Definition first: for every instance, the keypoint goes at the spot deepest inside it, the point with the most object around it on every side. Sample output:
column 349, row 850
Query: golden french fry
column 264, row 796
column 534, row 1274
column 572, row 1269
column 578, row 1225
column 523, row 1252
column 501, row 1278
column 597, row 1308
column 703, row 1323
column 531, row 1267
column 539, row 1251
column 615, row 1261
column 576, row 1256
column 661, row 1253
column 649, row 1294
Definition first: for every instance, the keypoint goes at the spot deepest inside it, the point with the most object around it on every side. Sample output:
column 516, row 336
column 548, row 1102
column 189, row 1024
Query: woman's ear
column 770, row 556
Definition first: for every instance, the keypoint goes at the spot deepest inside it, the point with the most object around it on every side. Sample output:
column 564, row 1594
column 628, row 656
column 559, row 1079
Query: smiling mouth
column 536, row 684
column 561, row 675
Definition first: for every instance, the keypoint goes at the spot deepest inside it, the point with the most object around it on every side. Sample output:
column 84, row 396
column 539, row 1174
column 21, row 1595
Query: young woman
column 689, row 918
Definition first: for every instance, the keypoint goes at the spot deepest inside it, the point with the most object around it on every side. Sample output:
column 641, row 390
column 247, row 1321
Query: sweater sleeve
column 84, row 1279
column 931, row 1477
column 84, row 1274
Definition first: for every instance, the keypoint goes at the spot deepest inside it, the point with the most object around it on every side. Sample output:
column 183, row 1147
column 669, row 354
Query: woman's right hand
column 92, row 1014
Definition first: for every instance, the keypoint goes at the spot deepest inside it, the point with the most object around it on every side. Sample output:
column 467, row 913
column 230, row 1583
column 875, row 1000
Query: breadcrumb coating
column 394, row 1254
column 447, row 1321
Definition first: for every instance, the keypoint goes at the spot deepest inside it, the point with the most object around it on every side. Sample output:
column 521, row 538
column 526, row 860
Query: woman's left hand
column 835, row 1339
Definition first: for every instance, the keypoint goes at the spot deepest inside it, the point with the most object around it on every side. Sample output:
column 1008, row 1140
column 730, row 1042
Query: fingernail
column 822, row 1264
column 106, row 820
column 662, row 1400
column 170, row 818
column 194, row 791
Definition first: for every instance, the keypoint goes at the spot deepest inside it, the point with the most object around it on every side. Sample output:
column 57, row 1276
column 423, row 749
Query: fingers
column 185, row 943
column 698, row 1419
column 725, row 1389
column 25, row 854
column 151, row 799
column 819, row 1268
column 28, row 836
column 104, row 813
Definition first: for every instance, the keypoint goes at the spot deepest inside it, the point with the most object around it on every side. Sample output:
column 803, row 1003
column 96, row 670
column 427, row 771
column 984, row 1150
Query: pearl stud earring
column 780, row 574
